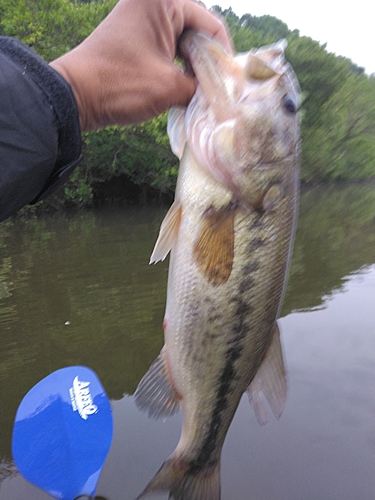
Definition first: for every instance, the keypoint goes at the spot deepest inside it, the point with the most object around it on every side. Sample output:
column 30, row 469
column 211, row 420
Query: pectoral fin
column 155, row 394
column 167, row 234
column 214, row 248
column 270, row 380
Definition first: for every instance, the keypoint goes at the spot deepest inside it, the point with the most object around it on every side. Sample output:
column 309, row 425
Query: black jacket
column 40, row 137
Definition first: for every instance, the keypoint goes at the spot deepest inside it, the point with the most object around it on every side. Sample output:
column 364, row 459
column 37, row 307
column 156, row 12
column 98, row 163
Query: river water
column 77, row 290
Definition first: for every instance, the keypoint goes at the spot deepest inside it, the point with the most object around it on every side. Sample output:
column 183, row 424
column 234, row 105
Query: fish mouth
column 215, row 70
column 191, row 40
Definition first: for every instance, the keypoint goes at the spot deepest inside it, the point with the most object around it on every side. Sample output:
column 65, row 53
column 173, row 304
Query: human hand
column 124, row 72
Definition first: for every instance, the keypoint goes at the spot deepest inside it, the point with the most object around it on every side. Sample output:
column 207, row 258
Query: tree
column 344, row 146
column 320, row 74
column 51, row 27
column 268, row 25
column 338, row 113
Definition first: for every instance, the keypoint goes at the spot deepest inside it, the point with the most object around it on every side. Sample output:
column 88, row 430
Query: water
column 78, row 290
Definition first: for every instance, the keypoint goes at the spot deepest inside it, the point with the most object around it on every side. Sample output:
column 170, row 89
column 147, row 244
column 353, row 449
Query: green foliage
column 343, row 147
column 338, row 112
column 140, row 152
column 320, row 74
column 78, row 191
column 51, row 27
column 268, row 25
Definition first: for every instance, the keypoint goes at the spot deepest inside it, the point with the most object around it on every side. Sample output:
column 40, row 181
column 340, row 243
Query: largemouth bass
column 230, row 232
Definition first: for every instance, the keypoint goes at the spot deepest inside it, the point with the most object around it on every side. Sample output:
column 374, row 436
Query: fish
column 230, row 234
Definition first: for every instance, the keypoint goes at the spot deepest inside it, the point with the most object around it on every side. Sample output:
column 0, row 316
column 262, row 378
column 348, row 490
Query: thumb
column 182, row 87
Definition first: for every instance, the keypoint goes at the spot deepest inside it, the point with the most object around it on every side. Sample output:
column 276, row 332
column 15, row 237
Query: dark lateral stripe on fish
column 248, row 280
column 209, row 444
column 254, row 244
column 228, row 374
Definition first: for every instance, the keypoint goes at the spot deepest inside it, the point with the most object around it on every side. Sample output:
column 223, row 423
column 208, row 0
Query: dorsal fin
column 270, row 380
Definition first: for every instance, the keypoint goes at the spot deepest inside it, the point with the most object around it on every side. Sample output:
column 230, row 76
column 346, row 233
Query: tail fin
column 182, row 484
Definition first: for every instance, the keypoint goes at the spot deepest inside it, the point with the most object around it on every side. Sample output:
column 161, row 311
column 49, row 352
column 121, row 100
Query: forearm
column 40, row 140
column 122, row 73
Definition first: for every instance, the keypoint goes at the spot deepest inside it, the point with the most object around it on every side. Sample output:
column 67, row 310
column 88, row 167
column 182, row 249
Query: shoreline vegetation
column 134, row 164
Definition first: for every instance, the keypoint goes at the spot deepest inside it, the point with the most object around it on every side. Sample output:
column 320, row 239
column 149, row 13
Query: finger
column 186, row 86
column 180, row 88
column 199, row 19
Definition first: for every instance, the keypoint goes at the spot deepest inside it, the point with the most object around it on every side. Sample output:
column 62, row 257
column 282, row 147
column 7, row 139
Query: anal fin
column 167, row 234
column 270, row 380
column 175, row 477
column 155, row 394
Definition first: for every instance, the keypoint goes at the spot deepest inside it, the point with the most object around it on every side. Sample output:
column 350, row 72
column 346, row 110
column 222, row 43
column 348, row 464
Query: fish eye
column 289, row 105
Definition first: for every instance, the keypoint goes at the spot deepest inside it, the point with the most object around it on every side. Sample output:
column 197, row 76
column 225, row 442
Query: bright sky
column 348, row 28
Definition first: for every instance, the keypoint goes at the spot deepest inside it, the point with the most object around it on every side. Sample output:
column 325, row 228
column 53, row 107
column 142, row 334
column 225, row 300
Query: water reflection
column 78, row 290
column 335, row 237
column 82, row 293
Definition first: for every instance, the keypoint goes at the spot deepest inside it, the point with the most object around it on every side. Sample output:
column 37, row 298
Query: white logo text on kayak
column 81, row 398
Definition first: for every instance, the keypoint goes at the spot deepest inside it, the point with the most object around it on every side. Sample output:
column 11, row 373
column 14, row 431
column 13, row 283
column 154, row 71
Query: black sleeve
column 40, row 137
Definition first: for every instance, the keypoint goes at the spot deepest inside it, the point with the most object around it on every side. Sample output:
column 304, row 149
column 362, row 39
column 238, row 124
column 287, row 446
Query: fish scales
column 231, row 323
column 230, row 232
